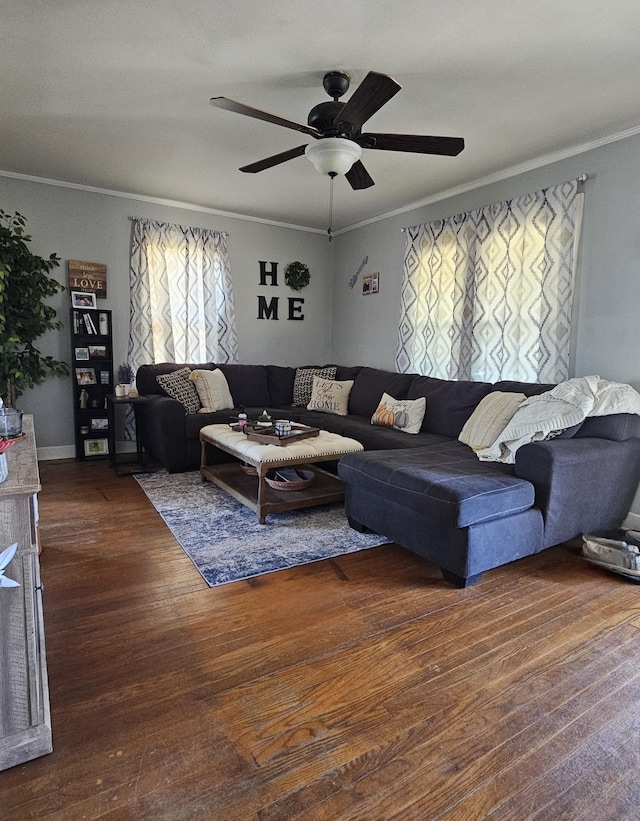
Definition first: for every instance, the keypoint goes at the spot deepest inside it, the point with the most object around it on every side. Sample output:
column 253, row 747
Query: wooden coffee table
column 253, row 491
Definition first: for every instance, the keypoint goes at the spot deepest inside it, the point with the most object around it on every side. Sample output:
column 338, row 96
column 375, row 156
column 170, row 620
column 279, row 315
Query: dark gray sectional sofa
column 428, row 492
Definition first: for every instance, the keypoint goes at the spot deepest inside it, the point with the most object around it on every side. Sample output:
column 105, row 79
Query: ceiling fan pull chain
column 330, row 231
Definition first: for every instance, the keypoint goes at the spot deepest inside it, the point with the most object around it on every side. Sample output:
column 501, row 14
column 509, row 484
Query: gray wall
column 607, row 300
column 95, row 227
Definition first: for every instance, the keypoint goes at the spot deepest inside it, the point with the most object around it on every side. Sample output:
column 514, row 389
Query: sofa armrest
column 163, row 431
column 581, row 485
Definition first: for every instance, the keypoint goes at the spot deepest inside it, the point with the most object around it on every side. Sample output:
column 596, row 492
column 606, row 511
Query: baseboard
column 57, row 452
column 69, row 451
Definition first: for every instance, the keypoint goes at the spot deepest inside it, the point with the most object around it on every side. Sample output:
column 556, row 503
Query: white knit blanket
column 568, row 404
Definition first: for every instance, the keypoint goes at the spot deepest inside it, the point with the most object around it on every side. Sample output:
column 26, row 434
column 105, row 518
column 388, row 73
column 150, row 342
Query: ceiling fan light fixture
column 333, row 155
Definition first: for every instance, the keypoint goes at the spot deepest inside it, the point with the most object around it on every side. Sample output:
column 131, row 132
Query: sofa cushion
column 248, row 384
column 280, row 382
column 330, row 396
column 213, row 389
column 194, row 422
column 371, row 383
column 402, row 414
column 444, row 480
column 347, row 372
column 449, row 403
column 178, row 385
column 303, row 382
column 372, row 437
column 489, row 419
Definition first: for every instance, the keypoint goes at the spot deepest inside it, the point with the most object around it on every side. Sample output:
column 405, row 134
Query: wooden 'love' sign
column 87, row 276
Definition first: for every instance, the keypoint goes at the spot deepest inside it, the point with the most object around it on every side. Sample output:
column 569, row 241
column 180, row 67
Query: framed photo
column 370, row 284
column 105, row 377
column 81, row 353
column 97, row 352
column 96, row 447
column 81, row 299
column 100, row 423
column 86, row 376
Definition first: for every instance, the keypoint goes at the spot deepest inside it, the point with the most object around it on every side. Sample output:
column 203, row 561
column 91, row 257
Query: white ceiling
column 115, row 94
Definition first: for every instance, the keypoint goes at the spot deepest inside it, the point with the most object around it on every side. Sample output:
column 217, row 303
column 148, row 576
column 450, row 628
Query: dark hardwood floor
column 359, row 688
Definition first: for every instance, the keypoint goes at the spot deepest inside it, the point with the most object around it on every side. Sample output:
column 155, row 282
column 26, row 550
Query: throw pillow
column 489, row 419
column 330, row 396
column 402, row 414
column 213, row 390
column 303, row 382
column 178, row 386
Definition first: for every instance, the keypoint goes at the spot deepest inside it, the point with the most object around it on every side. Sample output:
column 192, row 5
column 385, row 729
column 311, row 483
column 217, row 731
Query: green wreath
column 296, row 275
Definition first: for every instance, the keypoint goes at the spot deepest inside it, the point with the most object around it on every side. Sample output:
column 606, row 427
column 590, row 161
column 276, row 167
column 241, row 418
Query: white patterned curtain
column 181, row 296
column 487, row 295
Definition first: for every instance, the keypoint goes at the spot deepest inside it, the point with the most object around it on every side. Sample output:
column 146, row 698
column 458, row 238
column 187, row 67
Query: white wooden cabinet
column 25, row 722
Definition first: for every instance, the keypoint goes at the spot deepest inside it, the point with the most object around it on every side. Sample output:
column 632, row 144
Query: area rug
column 224, row 540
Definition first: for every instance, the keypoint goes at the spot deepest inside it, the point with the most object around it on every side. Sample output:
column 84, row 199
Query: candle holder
column 10, row 423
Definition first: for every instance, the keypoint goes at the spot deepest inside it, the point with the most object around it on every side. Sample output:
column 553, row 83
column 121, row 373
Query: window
column 181, row 295
column 487, row 294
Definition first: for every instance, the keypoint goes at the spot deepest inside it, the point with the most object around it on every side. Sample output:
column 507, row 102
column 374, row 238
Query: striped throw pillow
column 489, row 419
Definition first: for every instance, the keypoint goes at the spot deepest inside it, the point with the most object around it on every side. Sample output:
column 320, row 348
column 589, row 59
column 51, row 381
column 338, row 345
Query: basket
column 276, row 484
column 248, row 469
column 616, row 550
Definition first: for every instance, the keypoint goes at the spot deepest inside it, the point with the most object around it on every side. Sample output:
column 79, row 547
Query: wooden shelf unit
column 92, row 373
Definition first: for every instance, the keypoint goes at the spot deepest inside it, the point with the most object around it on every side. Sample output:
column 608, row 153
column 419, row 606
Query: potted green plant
column 25, row 284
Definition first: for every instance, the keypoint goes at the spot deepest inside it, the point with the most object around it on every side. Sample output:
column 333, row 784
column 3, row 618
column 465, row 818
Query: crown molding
column 186, row 206
column 507, row 173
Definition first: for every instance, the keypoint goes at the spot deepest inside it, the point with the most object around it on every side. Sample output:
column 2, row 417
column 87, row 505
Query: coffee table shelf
column 324, row 489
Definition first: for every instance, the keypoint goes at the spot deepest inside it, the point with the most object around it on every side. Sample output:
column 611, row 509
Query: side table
column 126, row 467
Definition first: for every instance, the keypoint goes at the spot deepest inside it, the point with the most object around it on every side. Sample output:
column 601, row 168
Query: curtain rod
column 224, row 233
column 582, row 178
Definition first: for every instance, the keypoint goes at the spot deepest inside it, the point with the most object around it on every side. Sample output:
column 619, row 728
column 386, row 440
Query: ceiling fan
column 337, row 127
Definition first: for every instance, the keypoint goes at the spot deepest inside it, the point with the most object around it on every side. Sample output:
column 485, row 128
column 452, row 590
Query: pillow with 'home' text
column 330, row 396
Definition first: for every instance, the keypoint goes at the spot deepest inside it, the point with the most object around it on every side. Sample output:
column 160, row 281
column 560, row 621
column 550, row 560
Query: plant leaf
column 5, row 582
column 7, row 555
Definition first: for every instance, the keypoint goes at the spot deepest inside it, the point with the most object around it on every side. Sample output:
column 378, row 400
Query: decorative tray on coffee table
column 268, row 436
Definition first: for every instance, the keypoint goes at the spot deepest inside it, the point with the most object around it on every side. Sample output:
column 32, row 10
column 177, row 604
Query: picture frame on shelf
column 81, row 354
column 96, row 447
column 97, row 351
column 105, row 377
column 100, row 423
column 82, row 299
column 86, row 376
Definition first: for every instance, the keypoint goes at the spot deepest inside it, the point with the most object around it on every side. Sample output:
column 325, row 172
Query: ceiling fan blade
column 240, row 108
column 269, row 162
column 358, row 177
column 372, row 93
column 450, row 146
